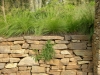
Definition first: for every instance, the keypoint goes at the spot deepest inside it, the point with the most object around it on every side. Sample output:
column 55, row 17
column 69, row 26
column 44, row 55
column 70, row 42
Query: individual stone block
column 33, row 46
column 65, row 52
column 72, row 59
column 71, row 67
column 15, row 39
column 22, row 68
column 90, row 73
column 77, row 46
column 16, row 47
column 83, row 52
column 23, row 73
column 27, row 61
column 55, row 67
column 78, row 58
column 11, row 65
column 67, row 37
column 21, row 51
column 81, row 73
column 25, row 45
column 75, row 40
column 83, row 62
column 54, row 62
column 87, row 58
column 12, row 74
column 2, row 65
column 54, row 73
column 12, row 70
column 80, row 37
column 19, row 42
column 18, row 55
column 59, row 56
column 84, row 66
column 14, row 60
column 60, row 46
column 4, row 49
column 4, row 55
column 4, row 60
column 72, row 63
column 52, row 38
column 61, row 41
column 37, row 69
column 65, row 61
column 39, row 74
column 68, row 72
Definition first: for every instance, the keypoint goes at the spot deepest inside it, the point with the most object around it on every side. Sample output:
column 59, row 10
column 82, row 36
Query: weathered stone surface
column 90, row 73
column 65, row 61
column 87, row 58
column 33, row 46
column 78, row 58
column 16, row 47
column 21, row 51
column 84, row 66
column 12, row 74
column 54, row 73
column 59, row 56
column 37, row 69
column 68, row 72
column 83, row 52
column 27, row 61
column 65, row 52
column 12, row 70
column 11, row 65
column 75, row 40
column 15, row 39
column 4, row 49
column 52, row 38
column 4, row 55
column 19, row 42
column 72, row 59
column 67, row 37
column 54, row 62
column 81, row 73
column 73, row 67
column 32, row 37
column 72, row 63
column 60, row 46
column 4, row 60
column 77, row 46
column 18, row 55
column 22, row 68
column 25, row 45
column 14, row 59
column 23, row 73
column 80, row 37
column 61, row 41
column 83, row 62
column 2, row 65
column 40, row 74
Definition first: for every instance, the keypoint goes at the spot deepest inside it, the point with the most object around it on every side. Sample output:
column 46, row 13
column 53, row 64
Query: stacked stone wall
column 73, row 55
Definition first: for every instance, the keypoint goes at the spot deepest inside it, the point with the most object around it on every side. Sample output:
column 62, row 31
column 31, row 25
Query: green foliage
column 52, row 19
column 47, row 53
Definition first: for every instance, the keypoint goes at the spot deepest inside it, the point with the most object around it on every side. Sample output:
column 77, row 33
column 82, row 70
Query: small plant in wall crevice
column 47, row 53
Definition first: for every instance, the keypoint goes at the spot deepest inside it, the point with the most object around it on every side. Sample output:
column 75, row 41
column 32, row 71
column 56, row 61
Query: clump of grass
column 50, row 20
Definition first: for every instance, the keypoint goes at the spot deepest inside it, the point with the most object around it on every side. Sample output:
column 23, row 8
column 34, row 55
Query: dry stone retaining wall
column 73, row 56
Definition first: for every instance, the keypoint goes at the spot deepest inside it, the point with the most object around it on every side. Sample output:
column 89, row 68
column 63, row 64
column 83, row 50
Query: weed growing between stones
column 47, row 53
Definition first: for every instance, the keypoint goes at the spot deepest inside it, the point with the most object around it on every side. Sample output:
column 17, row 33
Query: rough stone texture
column 11, row 65
column 96, row 38
column 27, row 61
column 60, row 46
column 73, row 56
column 37, row 69
column 77, row 46
column 4, row 49
column 2, row 65
column 68, row 72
